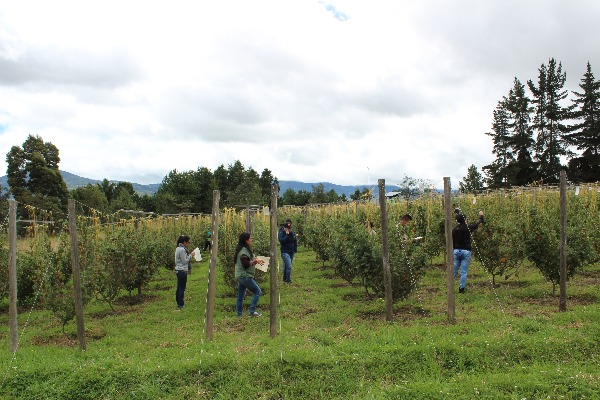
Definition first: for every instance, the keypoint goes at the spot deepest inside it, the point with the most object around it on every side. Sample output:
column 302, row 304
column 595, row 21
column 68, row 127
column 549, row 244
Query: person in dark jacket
column 289, row 247
column 461, row 242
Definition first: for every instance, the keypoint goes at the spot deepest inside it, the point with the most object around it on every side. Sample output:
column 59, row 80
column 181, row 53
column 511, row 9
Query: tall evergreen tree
column 266, row 180
column 92, row 196
column 235, row 175
column 586, row 132
column 176, row 193
column 473, row 182
column 498, row 171
column 34, row 177
column 221, row 183
column 288, row 198
column 204, row 185
column 318, row 195
column 518, row 108
column 549, row 119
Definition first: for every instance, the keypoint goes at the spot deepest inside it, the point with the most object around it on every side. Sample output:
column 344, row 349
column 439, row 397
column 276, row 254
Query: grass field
column 508, row 342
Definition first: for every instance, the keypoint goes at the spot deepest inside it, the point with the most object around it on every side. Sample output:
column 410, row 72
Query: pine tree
column 586, row 132
column 523, row 169
column 497, row 172
column 473, row 182
column 549, row 118
column 266, row 180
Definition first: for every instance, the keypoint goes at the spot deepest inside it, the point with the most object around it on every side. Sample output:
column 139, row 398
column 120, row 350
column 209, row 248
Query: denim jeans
column 251, row 285
column 181, row 283
column 462, row 258
column 287, row 266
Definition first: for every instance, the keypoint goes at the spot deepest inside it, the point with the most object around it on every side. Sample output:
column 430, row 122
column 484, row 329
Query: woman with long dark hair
column 244, row 273
column 182, row 261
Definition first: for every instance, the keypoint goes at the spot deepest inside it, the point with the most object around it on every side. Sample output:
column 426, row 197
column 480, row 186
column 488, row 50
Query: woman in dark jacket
column 461, row 241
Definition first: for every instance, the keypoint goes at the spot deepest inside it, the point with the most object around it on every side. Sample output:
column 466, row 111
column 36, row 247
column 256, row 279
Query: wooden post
column 76, row 275
column 248, row 220
column 562, row 303
column 273, row 290
column 449, row 249
column 387, row 273
column 12, row 275
column 212, row 269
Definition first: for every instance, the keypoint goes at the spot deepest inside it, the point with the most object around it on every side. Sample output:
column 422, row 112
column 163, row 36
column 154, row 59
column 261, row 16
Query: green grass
column 508, row 342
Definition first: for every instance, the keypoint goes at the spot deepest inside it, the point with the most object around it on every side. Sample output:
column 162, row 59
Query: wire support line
column 414, row 283
column 29, row 314
column 501, row 306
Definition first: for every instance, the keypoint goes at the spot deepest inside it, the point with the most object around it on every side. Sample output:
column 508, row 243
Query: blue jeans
column 287, row 266
column 462, row 258
column 181, row 283
column 251, row 285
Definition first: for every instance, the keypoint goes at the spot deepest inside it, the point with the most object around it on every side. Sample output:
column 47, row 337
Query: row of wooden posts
column 210, row 295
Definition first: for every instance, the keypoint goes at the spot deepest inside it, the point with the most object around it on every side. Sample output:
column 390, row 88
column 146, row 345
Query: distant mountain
column 339, row 189
column 74, row 181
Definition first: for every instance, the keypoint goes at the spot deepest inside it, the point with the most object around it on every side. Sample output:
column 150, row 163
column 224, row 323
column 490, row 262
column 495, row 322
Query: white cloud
column 342, row 91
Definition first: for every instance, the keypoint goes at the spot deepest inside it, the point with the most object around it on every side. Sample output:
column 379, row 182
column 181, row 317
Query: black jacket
column 461, row 234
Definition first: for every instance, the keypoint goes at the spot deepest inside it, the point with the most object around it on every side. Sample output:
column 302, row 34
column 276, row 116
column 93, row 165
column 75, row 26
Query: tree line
column 34, row 180
column 535, row 130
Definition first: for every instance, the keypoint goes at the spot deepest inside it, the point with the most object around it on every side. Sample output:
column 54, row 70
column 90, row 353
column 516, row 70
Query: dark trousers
column 181, row 283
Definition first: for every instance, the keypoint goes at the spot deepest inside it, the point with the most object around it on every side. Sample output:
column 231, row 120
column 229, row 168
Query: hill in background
column 74, row 181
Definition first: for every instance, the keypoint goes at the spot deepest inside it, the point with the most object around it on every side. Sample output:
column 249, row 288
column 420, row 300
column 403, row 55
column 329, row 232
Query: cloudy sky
column 341, row 91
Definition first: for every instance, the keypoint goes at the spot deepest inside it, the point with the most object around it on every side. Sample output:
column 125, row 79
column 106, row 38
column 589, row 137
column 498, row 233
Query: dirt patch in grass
column 68, row 339
column 513, row 284
column 329, row 275
column 124, row 304
column 162, row 288
column 441, row 267
column 430, row 289
column 343, row 284
column 110, row 313
column 588, row 278
column 231, row 325
column 320, row 266
column 552, row 300
column 135, row 300
column 402, row 313
column 357, row 296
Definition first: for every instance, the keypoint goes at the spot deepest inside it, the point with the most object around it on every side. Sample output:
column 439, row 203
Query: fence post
column 449, row 249
column 562, row 304
column 273, row 294
column 212, row 269
column 248, row 230
column 387, row 274
column 12, row 275
column 76, row 275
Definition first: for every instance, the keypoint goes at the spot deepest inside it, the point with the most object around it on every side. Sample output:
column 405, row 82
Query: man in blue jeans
column 461, row 241
column 289, row 247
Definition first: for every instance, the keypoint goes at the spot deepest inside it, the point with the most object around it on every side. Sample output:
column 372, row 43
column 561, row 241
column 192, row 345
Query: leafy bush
column 542, row 241
column 3, row 271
